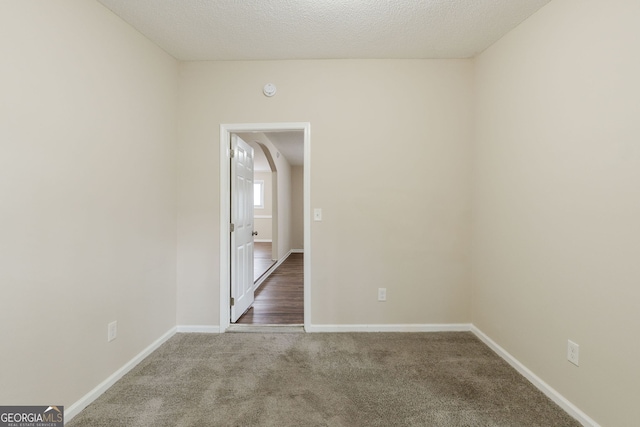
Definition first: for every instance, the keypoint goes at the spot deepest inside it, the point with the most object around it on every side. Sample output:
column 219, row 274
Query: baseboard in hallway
column 280, row 298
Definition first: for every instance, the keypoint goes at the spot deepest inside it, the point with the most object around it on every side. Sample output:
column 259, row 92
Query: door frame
column 225, row 195
column 243, row 216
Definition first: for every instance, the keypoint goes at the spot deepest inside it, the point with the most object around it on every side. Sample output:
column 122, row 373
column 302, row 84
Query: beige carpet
column 297, row 379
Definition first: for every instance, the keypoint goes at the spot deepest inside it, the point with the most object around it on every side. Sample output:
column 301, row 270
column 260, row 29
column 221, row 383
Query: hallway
column 280, row 299
column 262, row 261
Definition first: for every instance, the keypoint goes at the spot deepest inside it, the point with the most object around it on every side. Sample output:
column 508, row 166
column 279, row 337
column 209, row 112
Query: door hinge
column 232, row 227
column 232, row 153
column 233, row 301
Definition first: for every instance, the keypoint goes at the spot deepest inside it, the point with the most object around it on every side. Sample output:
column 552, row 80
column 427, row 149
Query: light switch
column 317, row 214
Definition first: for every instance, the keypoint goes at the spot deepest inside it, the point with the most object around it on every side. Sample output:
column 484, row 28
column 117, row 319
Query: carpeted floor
column 347, row 379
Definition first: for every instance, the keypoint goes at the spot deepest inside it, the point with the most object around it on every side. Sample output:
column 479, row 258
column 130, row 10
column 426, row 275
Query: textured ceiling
column 323, row 29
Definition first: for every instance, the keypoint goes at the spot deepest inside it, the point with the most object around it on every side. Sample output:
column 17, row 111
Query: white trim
column 262, row 216
column 262, row 240
column 262, row 278
column 286, row 329
column 225, row 135
column 202, row 329
column 297, row 251
column 88, row 398
column 437, row 327
column 549, row 391
column 271, row 269
column 225, row 220
column 307, row 224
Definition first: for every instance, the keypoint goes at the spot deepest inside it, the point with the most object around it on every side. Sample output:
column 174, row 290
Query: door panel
column 242, row 219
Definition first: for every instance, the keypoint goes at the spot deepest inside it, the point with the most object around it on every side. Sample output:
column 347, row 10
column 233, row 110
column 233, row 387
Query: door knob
column 255, row 233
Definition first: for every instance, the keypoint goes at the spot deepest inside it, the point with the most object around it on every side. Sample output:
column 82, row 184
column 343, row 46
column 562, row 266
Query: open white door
column 242, row 227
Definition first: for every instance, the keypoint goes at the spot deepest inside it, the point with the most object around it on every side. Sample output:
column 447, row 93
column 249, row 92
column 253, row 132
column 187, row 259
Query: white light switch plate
column 573, row 352
column 317, row 214
column 112, row 331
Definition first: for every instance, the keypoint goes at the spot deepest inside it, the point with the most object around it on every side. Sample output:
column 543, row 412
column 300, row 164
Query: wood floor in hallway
column 261, row 259
column 280, row 299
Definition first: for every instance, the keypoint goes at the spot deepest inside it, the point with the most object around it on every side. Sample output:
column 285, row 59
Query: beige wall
column 282, row 209
column 297, row 207
column 87, row 187
column 283, row 195
column 556, row 207
column 88, row 190
column 281, row 192
column 390, row 151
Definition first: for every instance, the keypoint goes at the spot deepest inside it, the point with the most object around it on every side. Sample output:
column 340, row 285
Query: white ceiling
column 196, row 30
column 290, row 144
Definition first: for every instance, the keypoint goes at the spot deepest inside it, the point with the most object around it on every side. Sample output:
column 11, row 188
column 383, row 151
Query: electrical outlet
column 382, row 294
column 573, row 352
column 112, row 331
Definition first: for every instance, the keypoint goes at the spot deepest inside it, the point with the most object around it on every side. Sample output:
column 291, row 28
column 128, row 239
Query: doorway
column 225, row 193
column 265, row 205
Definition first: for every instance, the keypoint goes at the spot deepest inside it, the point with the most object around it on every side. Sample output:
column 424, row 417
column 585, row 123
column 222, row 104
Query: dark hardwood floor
column 280, row 299
column 261, row 259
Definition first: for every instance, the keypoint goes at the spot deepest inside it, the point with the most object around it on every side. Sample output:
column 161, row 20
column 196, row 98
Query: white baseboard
column 437, row 327
column 270, row 270
column 297, row 251
column 262, row 241
column 202, row 329
column 263, row 278
column 549, row 391
column 283, row 259
column 87, row 399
